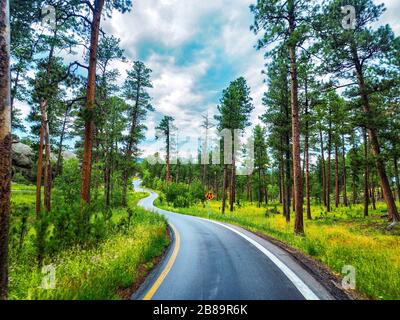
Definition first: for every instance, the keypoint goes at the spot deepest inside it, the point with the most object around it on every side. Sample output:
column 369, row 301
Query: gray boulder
column 22, row 155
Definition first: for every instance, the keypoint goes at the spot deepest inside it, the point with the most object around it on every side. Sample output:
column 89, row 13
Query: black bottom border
column 195, row 309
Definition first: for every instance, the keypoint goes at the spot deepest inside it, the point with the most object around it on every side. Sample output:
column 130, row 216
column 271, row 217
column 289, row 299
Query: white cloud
column 174, row 94
column 168, row 22
column 391, row 16
column 174, row 86
column 222, row 28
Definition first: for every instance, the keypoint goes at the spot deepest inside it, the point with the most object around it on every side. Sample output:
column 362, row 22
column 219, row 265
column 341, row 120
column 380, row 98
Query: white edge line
column 298, row 283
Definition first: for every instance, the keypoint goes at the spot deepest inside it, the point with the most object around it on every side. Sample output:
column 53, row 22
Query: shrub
column 18, row 177
column 197, row 192
column 181, row 201
column 174, row 190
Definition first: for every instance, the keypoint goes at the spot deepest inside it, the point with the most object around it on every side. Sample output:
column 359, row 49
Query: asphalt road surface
column 210, row 260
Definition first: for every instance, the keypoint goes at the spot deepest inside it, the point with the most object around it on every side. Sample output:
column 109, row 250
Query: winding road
column 210, row 260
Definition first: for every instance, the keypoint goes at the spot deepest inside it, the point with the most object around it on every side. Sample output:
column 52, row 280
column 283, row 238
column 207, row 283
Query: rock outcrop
column 23, row 160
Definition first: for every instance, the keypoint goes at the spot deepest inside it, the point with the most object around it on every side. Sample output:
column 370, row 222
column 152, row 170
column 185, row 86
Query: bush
column 197, row 192
column 174, row 190
column 181, row 202
column 183, row 195
column 19, row 178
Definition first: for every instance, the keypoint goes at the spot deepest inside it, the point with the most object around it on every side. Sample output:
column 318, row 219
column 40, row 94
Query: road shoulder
column 154, row 274
column 320, row 279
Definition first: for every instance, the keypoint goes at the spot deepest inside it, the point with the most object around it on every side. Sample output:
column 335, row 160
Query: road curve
column 209, row 260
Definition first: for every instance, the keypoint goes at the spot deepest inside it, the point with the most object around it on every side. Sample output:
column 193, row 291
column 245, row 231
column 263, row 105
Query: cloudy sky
column 195, row 48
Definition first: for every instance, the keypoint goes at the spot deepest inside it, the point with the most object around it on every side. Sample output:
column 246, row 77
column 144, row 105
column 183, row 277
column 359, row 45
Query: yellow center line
column 168, row 266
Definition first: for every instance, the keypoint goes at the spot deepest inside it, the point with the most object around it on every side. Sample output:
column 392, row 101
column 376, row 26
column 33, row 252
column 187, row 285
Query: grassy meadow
column 341, row 237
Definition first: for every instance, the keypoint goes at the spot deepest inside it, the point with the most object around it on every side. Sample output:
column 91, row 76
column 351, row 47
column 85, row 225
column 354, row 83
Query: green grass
column 135, row 197
column 18, row 186
column 98, row 271
column 339, row 238
column 19, row 198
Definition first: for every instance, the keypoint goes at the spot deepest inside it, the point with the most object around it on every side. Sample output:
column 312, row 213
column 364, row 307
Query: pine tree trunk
column 248, row 188
column 345, row 201
column 251, row 190
column 216, row 184
column 47, row 171
column 5, row 145
column 396, row 176
column 307, row 160
column 297, row 178
column 39, row 172
column 292, row 196
column 373, row 193
column 329, row 175
column 233, row 175
column 259, row 188
column 224, row 188
column 60, row 144
column 281, row 175
column 108, row 185
column 282, row 183
column 380, row 166
column 44, row 144
column 205, row 157
column 366, row 174
column 307, row 174
column 337, row 191
column 288, row 182
column 323, row 169
column 167, row 162
column 354, row 186
column 131, row 143
column 90, row 103
column 232, row 186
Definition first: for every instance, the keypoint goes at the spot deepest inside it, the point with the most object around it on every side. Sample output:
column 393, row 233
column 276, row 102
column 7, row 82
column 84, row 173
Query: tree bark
column 306, row 157
column 288, row 182
column 345, row 201
column 329, row 175
column 224, row 187
column 265, row 182
column 281, row 180
column 337, row 191
column 39, row 172
column 233, row 176
column 129, row 148
column 60, row 144
column 297, row 178
column 323, row 168
column 44, row 144
column 372, row 195
column 90, row 103
column 259, row 188
column 366, row 174
column 168, row 174
column 354, row 187
column 308, row 204
column 47, row 170
column 5, row 145
column 380, row 166
column 396, row 176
